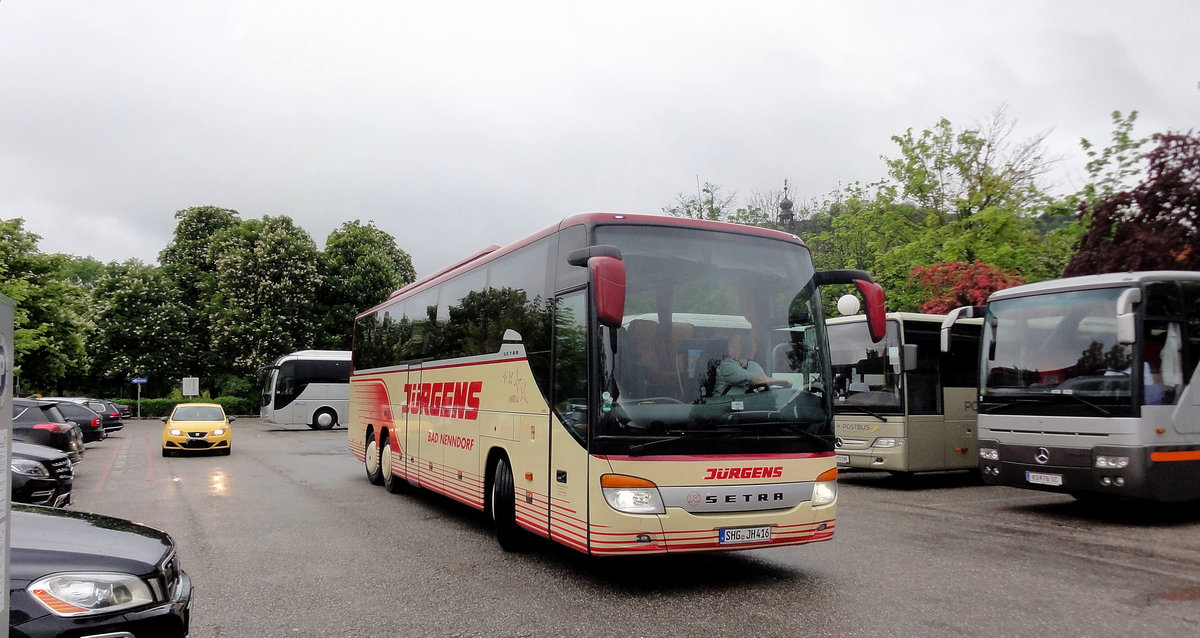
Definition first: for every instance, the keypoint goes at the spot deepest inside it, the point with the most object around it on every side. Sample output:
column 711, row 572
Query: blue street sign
column 139, row 380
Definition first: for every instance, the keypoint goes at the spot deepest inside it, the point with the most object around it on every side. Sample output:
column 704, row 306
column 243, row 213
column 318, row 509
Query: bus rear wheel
column 504, row 508
column 372, row 461
column 392, row 483
column 324, row 419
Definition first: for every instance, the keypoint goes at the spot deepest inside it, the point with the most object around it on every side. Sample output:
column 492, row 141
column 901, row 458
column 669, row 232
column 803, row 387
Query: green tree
column 360, row 266
column 144, row 330
column 264, row 301
column 710, row 203
column 82, row 271
column 49, row 324
column 189, row 264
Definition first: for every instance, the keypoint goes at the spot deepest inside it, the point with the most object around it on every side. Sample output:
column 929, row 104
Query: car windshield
column 198, row 413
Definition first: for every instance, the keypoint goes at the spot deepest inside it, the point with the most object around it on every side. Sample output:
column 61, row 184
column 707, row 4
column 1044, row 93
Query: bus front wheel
column 504, row 508
column 324, row 419
column 372, row 461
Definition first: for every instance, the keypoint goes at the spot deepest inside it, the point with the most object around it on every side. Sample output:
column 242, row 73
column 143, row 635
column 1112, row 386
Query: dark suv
column 110, row 414
column 36, row 421
column 75, row 573
column 40, row 475
column 88, row 420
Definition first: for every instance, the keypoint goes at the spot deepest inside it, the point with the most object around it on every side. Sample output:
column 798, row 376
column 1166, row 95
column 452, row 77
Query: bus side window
column 1191, row 348
column 570, row 364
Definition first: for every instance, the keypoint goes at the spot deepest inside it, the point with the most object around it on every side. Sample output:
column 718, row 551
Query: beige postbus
column 902, row 405
column 565, row 386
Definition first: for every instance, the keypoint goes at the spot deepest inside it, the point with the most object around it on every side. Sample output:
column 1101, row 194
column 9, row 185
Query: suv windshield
column 721, row 336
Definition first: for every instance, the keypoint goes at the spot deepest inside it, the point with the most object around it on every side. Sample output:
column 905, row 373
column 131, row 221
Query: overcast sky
column 453, row 125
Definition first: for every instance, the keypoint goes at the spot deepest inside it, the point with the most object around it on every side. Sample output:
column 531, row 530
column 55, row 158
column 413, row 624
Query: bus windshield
column 1060, row 346
column 866, row 375
column 722, row 337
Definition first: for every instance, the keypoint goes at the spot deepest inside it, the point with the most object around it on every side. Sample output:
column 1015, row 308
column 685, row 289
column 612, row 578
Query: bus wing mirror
column 908, row 357
column 1126, row 319
column 608, row 289
column 963, row 312
column 872, row 294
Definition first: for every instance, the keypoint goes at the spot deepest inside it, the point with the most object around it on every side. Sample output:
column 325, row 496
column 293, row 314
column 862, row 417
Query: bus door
column 425, row 456
column 569, row 471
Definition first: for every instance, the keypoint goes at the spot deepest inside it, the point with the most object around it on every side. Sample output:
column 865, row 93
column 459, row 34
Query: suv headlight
column 29, row 467
column 88, row 593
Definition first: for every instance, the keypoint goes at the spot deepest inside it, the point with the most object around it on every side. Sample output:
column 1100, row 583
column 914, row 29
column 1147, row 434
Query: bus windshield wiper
column 1043, row 400
column 863, row 410
column 675, row 435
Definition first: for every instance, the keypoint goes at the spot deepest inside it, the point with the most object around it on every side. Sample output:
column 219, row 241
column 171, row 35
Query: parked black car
column 79, row 574
column 90, row 423
column 40, row 475
column 110, row 414
column 36, row 421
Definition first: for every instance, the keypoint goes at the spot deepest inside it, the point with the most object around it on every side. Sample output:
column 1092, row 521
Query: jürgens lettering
column 758, row 472
column 451, row 399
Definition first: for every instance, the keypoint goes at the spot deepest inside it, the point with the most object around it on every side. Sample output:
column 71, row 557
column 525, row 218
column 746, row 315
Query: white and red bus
column 565, row 386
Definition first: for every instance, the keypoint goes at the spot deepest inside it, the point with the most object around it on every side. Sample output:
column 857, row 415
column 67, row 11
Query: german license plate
column 843, row 459
column 1041, row 478
column 730, row 535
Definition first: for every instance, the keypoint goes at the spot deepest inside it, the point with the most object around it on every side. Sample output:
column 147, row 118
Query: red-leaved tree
column 948, row 286
column 1153, row 226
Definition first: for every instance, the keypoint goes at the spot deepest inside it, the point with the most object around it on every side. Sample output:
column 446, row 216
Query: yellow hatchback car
column 197, row 427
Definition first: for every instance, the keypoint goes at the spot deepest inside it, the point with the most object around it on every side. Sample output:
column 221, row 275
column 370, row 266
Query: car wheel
column 324, row 419
column 504, row 509
column 372, row 462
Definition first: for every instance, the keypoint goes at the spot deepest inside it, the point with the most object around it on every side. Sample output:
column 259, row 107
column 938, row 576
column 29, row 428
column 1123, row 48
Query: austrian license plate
column 1041, row 478
column 843, row 459
column 730, row 535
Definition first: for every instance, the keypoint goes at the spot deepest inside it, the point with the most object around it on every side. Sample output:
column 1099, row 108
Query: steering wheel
column 763, row 387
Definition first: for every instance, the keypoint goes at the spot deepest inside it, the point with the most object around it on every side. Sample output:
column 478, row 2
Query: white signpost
column 191, row 386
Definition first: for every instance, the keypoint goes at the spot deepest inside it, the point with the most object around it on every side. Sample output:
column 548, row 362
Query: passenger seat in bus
column 651, row 365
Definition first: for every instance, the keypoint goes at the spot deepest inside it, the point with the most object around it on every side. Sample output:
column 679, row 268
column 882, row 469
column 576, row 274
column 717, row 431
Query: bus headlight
column 888, row 442
column 1112, row 462
column 825, row 489
column 631, row 494
column 989, row 454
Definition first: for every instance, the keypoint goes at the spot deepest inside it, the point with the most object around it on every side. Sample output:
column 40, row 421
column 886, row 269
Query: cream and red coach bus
column 565, row 385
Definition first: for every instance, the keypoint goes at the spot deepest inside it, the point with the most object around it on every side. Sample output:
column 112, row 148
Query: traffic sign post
column 139, row 382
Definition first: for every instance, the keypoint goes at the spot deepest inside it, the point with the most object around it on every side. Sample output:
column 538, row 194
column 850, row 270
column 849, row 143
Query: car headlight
column 888, row 442
column 29, row 468
column 631, row 495
column 90, row 593
column 218, row 431
column 176, row 432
